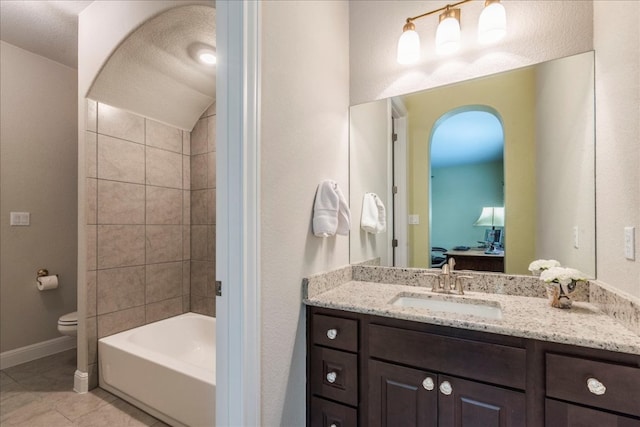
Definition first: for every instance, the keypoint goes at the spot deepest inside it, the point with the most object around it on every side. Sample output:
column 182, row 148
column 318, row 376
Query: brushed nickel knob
column 332, row 334
column 445, row 388
column 428, row 384
column 331, row 377
column 596, row 387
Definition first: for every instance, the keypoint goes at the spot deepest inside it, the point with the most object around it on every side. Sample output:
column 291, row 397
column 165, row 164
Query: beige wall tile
column 92, row 247
column 211, row 206
column 91, row 293
column 91, row 154
column 120, row 124
column 186, row 172
column 164, row 309
column 199, row 242
column 92, row 339
column 186, row 207
column 120, row 245
column 92, row 201
column 199, row 278
column 199, row 172
column 91, row 120
column 211, row 133
column 186, row 242
column 164, row 168
column 186, row 277
column 120, row 160
column 186, row 303
column 199, row 207
column 203, row 305
column 163, row 243
column 120, row 288
column 211, row 243
column 211, row 279
column 186, row 142
column 164, row 205
column 120, row 203
column 163, row 136
column 199, row 137
column 118, row 321
column 211, row 169
column 163, row 281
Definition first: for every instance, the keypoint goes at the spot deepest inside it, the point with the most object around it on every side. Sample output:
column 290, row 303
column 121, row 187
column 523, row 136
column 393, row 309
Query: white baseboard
column 36, row 351
column 81, row 382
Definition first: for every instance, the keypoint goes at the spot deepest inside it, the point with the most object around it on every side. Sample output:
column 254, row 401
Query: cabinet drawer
column 493, row 363
column 334, row 375
column 568, row 379
column 335, row 332
column 327, row 414
column 565, row 414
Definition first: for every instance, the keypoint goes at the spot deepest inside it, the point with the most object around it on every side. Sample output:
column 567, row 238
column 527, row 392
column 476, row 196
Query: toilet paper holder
column 42, row 272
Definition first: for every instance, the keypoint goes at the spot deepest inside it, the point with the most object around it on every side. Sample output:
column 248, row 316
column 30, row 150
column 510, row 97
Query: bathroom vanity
column 370, row 363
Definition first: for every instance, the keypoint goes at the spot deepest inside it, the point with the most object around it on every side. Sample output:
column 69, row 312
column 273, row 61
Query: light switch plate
column 414, row 219
column 630, row 243
column 20, row 219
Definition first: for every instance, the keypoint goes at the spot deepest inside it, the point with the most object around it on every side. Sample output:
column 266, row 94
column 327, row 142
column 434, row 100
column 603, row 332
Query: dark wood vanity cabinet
column 394, row 373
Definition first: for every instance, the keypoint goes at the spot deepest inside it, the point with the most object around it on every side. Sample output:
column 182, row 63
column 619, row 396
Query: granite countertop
column 527, row 317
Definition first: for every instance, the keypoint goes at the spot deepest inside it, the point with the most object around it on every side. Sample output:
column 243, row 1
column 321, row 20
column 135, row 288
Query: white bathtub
column 167, row 368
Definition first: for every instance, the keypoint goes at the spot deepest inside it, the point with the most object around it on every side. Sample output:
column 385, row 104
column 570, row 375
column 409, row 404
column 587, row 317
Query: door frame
column 238, row 218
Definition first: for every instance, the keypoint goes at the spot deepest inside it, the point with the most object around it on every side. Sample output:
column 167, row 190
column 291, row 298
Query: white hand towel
column 344, row 214
column 369, row 217
column 382, row 215
column 325, row 209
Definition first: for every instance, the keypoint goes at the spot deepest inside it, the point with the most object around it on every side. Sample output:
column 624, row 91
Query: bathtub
column 166, row 368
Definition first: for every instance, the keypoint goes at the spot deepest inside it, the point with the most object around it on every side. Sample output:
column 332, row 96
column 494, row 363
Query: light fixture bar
column 445, row 7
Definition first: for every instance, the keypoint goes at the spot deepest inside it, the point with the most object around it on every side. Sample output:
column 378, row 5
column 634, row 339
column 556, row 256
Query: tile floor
column 40, row 394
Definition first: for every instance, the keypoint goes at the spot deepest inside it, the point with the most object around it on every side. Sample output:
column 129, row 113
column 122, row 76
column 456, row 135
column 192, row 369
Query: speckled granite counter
column 522, row 316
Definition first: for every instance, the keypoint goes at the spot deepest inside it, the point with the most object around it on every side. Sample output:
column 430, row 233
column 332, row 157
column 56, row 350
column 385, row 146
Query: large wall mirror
column 497, row 172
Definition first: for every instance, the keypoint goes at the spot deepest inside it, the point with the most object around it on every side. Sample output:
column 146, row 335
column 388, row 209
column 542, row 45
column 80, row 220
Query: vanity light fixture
column 491, row 28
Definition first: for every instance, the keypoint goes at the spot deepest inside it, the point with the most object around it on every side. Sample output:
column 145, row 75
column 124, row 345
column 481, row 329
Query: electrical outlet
column 629, row 243
column 575, row 237
column 414, row 219
column 19, row 219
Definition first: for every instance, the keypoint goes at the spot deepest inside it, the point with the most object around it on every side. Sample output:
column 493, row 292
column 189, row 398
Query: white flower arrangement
column 543, row 264
column 562, row 275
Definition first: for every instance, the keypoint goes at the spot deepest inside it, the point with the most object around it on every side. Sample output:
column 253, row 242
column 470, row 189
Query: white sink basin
column 464, row 306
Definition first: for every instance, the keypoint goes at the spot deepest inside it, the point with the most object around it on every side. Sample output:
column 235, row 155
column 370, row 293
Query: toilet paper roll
column 47, row 283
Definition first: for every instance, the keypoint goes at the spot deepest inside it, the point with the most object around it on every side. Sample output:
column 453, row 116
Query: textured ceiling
column 46, row 28
column 152, row 73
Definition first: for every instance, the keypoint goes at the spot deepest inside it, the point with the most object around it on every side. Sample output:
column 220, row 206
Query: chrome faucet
column 449, row 282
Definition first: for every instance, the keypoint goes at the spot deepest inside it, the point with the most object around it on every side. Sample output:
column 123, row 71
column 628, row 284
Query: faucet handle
column 436, row 285
column 458, row 284
column 452, row 263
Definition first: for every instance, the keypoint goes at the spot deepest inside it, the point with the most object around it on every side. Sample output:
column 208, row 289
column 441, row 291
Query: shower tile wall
column 203, row 213
column 138, row 216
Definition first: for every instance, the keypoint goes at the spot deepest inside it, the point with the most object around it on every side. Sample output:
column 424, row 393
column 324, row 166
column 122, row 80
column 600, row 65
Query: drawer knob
column 428, row 384
column 445, row 388
column 331, row 377
column 333, row 425
column 332, row 334
column 596, row 387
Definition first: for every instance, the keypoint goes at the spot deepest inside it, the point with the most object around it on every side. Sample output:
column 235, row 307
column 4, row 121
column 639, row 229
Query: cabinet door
column 400, row 396
column 566, row 414
column 463, row 403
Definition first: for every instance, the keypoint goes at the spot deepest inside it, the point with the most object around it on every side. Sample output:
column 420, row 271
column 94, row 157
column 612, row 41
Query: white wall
column 369, row 172
column 537, row 31
column 304, row 139
column 38, row 128
column 617, row 45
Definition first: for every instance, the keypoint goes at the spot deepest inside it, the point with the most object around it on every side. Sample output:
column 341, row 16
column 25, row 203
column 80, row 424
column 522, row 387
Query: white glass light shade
column 448, row 36
column 493, row 23
column 408, row 47
column 491, row 217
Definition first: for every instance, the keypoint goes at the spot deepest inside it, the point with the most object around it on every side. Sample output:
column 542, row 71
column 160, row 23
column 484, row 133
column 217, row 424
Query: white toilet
column 68, row 324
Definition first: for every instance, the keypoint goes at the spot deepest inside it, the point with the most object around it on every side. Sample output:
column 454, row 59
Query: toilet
column 68, row 324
